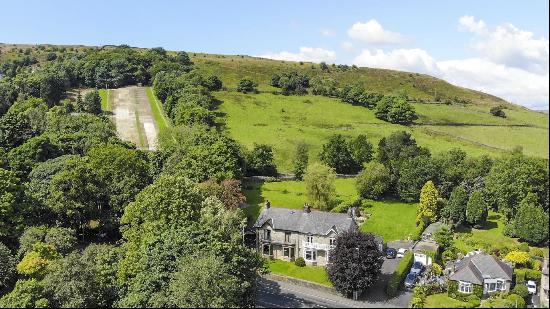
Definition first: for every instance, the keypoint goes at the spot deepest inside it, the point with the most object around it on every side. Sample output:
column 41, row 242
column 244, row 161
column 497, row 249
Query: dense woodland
column 88, row 220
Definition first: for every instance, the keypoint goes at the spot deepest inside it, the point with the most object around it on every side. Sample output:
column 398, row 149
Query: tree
column 301, row 159
column 204, row 274
column 476, row 209
column 361, row 150
column 427, row 209
column 11, row 202
column 395, row 110
column 531, row 221
column 35, row 263
column 497, row 111
column 25, row 294
column 246, row 86
column 72, row 283
column 355, row 262
column 444, row 237
column 512, row 178
column 413, row 174
column 91, row 103
column 228, row 192
column 455, row 210
column 25, row 157
column 319, row 180
column 336, row 153
column 213, row 83
column 7, row 267
column 373, row 181
column 396, row 149
column 260, row 161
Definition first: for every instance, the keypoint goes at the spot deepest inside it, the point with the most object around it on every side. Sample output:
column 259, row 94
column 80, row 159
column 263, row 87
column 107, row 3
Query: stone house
column 287, row 234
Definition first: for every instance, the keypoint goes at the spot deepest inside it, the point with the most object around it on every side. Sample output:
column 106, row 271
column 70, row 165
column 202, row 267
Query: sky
column 499, row 47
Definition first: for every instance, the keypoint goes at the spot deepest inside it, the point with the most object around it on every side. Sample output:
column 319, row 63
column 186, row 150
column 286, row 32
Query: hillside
column 281, row 121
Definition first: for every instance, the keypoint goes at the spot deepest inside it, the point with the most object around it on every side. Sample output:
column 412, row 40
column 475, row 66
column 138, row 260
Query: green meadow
column 282, row 121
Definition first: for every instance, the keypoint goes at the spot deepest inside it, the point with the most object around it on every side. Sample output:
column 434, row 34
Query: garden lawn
column 489, row 236
column 314, row 274
column 393, row 220
column 289, row 194
column 441, row 300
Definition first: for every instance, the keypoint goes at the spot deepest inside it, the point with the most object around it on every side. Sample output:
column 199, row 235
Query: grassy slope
column 232, row 68
column 281, row 121
column 162, row 121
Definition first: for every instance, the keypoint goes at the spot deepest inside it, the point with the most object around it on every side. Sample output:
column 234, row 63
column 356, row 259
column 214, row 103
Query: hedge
column 524, row 274
column 399, row 275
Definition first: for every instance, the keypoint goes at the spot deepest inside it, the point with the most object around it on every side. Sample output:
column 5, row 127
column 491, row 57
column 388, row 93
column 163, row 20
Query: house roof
column 479, row 266
column 313, row 222
column 426, row 245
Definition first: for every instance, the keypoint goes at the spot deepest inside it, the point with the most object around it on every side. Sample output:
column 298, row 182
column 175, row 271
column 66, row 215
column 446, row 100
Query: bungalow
column 482, row 272
column 287, row 234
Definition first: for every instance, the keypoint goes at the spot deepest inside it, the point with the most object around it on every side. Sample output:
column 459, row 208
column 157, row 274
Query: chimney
column 267, row 204
column 307, row 208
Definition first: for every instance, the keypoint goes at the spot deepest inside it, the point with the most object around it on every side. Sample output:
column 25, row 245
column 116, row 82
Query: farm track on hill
column 133, row 116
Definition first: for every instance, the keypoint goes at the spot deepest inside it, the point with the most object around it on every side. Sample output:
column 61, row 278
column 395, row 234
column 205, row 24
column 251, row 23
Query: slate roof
column 479, row 266
column 314, row 222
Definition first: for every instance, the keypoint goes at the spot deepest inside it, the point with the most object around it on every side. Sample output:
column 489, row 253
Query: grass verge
column 163, row 123
column 314, row 274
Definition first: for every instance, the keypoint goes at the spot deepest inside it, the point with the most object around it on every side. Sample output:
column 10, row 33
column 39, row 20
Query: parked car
column 410, row 280
column 532, row 287
column 391, row 253
column 417, row 268
column 401, row 252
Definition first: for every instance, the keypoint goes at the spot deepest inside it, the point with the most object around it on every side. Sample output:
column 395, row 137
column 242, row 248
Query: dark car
column 410, row 280
column 417, row 268
column 391, row 253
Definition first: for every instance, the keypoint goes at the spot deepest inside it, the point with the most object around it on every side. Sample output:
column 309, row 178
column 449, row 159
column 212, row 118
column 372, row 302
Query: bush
column 535, row 264
column 518, row 257
column 521, row 290
column 399, row 275
column 517, row 300
column 537, row 252
column 524, row 274
column 474, row 301
column 300, row 262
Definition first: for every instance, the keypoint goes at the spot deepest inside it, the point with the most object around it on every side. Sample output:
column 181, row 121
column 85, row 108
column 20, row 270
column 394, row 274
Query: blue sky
column 500, row 47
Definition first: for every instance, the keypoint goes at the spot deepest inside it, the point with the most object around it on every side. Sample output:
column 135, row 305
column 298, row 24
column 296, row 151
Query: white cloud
column 470, row 24
column 508, row 45
column 416, row 60
column 347, row 46
column 328, row 32
column 373, row 32
column 311, row 54
column 513, row 84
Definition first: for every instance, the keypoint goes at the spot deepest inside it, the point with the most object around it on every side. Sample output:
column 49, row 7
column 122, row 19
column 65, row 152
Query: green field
column 314, row 274
column 163, row 123
column 282, row 121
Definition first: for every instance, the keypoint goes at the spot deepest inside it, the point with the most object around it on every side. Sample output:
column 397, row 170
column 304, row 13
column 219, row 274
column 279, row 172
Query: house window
column 266, row 249
column 287, row 237
column 465, row 287
column 267, row 234
column 309, row 239
column 500, row 285
column 310, row 255
column 332, row 241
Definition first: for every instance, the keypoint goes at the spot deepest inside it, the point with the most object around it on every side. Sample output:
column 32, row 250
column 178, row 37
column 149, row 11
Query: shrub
column 538, row 252
column 523, row 274
column 521, row 290
column 399, row 275
column 518, row 257
column 517, row 300
column 535, row 264
column 300, row 262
